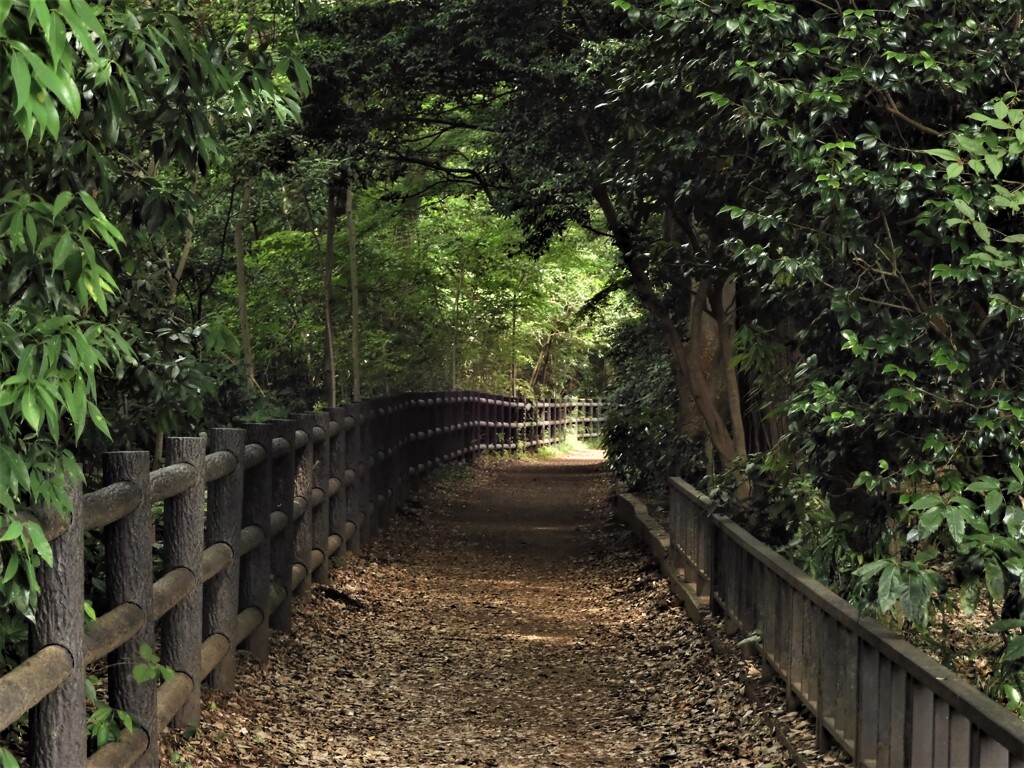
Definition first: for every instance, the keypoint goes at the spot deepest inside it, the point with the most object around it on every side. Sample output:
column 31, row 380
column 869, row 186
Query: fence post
column 182, row 627
column 282, row 548
column 254, row 570
column 57, row 724
column 304, row 461
column 319, row 524
column 366, row 463
column 223, row 525
column 129, row 560
column 336, row 512
column 354, row 473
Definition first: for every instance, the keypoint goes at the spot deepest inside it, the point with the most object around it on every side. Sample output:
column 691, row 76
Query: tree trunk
column 353, row 270
column 455, row 329
column 330, row 371
column 243, row 307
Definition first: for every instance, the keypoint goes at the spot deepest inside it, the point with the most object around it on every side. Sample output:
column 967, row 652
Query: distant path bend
column 505, row 620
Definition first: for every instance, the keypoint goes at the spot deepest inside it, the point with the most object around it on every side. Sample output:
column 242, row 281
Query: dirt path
column 505, row 620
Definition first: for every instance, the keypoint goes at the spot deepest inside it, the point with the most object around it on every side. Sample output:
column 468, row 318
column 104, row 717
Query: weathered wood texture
column 224, row 526
column 249, row 522
column 882, row 700
column 129, row 561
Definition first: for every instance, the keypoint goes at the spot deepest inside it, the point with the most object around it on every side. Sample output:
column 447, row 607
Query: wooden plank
column 993, row 754
column 883, row 742
column 940, row 736
column 959, row 740
column 868, row 697
column 922, row 728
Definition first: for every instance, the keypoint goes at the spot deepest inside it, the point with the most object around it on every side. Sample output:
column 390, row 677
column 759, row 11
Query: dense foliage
column 818, row 207
column 814, row 208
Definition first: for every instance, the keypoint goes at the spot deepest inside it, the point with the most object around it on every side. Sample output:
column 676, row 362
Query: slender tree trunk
column 186, row 250
column 353, row 270
column 243, row 308
column 456, row 328
column 330, row 371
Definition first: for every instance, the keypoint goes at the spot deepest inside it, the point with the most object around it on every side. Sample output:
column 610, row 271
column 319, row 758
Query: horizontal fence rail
column 250, row 520
column 884, row 701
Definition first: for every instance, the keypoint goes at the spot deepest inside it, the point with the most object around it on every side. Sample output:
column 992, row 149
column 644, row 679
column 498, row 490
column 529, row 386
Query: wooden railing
column 250, row 519
column 881, row 699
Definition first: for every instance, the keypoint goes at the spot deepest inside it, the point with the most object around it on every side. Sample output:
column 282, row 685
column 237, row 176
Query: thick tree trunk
column 691, row 368
column 330, row 370
column 243, row 307
column 353, row 270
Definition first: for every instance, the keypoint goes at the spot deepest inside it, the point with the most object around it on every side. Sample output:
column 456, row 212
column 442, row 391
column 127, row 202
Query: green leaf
column 981, row 229
column 1014, row 649
column 143, row 673
column 944, row 154
column 994, row 579
column 22, row 81
column 1005, row 625
column 39, row 542
column 870, row 569
column 30, row 410
column 14, row 530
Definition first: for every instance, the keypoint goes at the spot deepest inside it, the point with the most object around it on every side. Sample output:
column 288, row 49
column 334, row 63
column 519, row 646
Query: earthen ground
column 502, row 619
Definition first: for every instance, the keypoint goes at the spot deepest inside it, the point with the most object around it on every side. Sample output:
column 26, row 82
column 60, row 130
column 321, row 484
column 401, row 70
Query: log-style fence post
column 304, row 462
column 223, row 526
column 354, row 477
column 282, row 548
column 396, row 453
column 373, row 484
column 57, row 724
column 366, row 484
column 479, row 433
column 394, row 480
column 254, row 570
column 182, row 628
column 336, row 509
column 320, row 525
column 128, row 547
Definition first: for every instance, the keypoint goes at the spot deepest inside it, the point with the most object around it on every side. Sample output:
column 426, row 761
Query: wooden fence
column 881, row 699
column 250, row 520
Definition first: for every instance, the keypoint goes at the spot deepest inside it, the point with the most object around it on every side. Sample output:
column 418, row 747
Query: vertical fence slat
column 57, row 724
column 223, row 524
column 129, row 563
column 182, row 628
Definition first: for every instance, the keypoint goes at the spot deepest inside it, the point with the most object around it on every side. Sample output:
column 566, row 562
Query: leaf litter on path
column 506, row 620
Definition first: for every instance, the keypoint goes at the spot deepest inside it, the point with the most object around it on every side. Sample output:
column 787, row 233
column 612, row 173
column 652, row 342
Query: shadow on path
column 507, row 621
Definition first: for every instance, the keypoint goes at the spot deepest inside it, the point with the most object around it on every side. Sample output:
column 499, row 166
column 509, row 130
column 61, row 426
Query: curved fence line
column 251, row 519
